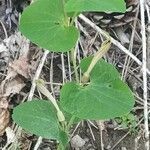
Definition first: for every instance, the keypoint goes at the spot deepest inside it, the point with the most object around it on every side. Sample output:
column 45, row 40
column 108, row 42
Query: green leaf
column 105, row 97
column 37, row 117
column 43, row 22
column 95, row 5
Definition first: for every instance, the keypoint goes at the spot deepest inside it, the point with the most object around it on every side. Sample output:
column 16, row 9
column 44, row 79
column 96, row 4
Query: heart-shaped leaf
column 105, row 97
column 44, row 23
column 37, row 117
column 95, row 5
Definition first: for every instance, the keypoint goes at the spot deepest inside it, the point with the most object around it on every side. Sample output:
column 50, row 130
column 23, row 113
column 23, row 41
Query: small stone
column 77, row 142
column 86, row 139
column 123, row 148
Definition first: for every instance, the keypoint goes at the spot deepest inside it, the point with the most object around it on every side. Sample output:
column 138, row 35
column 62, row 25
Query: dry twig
column 143, row 32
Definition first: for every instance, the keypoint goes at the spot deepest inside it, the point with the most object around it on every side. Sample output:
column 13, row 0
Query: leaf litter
column 17, row 73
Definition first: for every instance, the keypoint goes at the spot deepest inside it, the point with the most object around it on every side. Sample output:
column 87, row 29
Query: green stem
column 70, row 123
column 60, row 147
column 73, row 18
column 103, row 49
column 64, row 12
column 73, row 58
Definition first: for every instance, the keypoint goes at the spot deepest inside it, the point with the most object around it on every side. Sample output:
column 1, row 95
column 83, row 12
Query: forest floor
column 21, row 62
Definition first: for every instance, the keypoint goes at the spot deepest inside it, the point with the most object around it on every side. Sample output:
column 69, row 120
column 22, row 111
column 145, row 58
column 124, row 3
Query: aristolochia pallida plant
column 100, row 94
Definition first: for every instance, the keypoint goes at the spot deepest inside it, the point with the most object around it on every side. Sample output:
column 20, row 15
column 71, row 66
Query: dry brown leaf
column 13, row 87
column 21, row 66
column 4, row 115
column 17, row 72
column 13, row 83
column 3, row 102
column 4, row 120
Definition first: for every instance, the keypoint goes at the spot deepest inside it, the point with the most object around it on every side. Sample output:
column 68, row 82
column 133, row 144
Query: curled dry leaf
column 13, row 82
column 4, row 115
column 16, row 43
column 4, row 120
column 3, row 102
column 21, row 67
column 13, row 87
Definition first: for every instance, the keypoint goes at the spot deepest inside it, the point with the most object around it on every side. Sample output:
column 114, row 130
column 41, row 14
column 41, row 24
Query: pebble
column 77, row 142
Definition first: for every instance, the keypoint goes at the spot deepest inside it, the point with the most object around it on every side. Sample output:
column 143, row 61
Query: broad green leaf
column 95, row 5
column 43, row 22
column 105, row 97
column 37, row 117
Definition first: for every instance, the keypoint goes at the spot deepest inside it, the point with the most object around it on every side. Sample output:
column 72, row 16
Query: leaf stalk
column 44, row 91
column 99, row 54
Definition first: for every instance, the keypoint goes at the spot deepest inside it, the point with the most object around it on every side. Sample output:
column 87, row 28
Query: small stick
column 143, row 32
column 37, row 74
column 5, row 31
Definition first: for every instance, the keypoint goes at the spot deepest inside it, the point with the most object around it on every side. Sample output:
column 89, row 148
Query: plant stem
column 60, row 147
column 103, row 49
column 73, row 58
column 43, row 90
column 64, row 12
column 73, row 18
column 70, row 123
